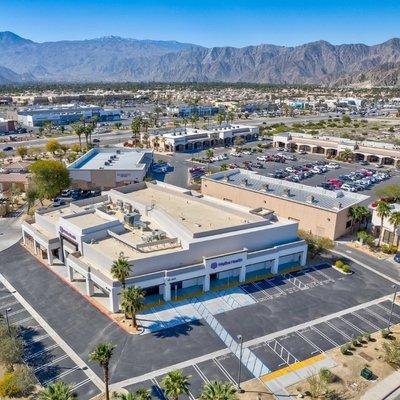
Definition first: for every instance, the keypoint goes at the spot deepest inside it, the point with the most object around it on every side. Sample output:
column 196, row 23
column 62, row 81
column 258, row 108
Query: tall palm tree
column 77, row 129
column 136, row 126
column 383, row 211
column 220, row 118
column 57, row 391
column 359, row 214
column 394, row 219
column 175, row 384
column 132, row 302
column 120, row 270
column 102, row 354
column 217, row 390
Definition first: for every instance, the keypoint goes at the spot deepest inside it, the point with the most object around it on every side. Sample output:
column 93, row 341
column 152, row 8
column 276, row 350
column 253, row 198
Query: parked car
column 397, row 257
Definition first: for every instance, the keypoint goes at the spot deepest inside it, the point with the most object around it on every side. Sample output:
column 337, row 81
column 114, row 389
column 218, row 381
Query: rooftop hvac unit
column 106, row 163
column 286, row 192
column 118, row 152
column 132, row 218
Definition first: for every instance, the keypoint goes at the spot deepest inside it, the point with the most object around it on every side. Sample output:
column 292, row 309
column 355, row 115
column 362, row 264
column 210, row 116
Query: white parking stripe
column 7, row 296
column 272, row 284
column 21, row 321
column 200, row 372
column 377, row 315
column 80, row 384
column 248, row 293
column 317, row 349
column 380, row 305
column 11, row 314
column 327, row 277
column 56, row 360
column 376, row 328
column 260, row 289
column 58, row 377
column 224, row 371
column 7, row 305
column 38, row 353
column 352, row 325
column 338, row 330
column 314, row 328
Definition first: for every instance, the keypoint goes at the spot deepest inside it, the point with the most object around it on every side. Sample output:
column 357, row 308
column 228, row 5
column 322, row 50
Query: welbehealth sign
column 223, row 263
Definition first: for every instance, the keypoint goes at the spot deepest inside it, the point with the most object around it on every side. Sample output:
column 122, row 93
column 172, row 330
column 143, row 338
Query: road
column 122, row 135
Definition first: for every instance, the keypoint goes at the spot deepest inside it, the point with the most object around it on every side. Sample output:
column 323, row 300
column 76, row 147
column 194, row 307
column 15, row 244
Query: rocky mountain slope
column 118, row 59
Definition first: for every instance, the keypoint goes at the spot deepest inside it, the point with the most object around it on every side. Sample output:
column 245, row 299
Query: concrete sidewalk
column 386, row 389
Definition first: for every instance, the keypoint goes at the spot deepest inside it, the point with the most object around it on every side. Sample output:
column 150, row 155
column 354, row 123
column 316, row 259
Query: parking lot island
column 324, row 213
column 178, row 242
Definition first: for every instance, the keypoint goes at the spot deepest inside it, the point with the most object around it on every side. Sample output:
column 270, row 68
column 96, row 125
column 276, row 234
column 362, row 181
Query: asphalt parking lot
column 47, row 360
column 181, row 162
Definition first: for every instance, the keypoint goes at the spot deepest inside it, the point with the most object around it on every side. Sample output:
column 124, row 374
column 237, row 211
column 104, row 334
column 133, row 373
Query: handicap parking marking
column 268, row 356
column 272, row 283
column 287, row 357
column 295, row 281
column 259, row 285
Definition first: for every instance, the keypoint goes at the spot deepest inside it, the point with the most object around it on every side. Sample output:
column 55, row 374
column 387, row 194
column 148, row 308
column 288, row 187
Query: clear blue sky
column 205, row 22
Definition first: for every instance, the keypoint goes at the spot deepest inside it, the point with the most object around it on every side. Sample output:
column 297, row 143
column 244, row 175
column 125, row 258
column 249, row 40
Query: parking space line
column 158, row 389
column 80, row 384
column 327, row 277
column 269, row 282
column 248, row 293
column 377, row 315
column 65, row 373
column 37, row 339
column 63, row 357
column 200, row 372
column 261, row 290
column 380, row 305
column 317, row 349
column 11, row 314
column 7, row 305
column 314, row 328
column 6, row 296
column 295, row 281
column 281, row 352
column 338, row 330
column 38, row 353
column 313, row 278
column 21, row 321
column 350, row 324
column 224, row 371
column 376, row 328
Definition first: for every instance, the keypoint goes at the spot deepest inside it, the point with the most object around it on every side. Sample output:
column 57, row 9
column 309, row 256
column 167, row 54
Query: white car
column 235, row 154
column 247, row 153
column 261, row 158
column 333, row 165
column 347, row 187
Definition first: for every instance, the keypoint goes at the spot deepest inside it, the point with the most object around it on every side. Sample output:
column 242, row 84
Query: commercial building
column 106, row 168
column 178, row 242
column 7, row 126
column 323, row 213
column 65, row 114
column 331, row 146
column 389, row 233
column 201, row 111
column 188, row 139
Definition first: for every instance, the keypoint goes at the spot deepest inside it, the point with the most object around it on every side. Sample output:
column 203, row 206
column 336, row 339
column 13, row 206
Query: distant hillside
column 117, row 59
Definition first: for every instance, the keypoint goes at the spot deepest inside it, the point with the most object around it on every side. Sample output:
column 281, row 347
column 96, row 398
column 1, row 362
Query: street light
column 7, row 320
column 240, row 338
column 392, row 306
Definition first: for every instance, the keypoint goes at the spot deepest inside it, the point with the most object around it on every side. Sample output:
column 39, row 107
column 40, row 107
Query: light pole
column 392, row 306
column 8, row 321
column 240, row 338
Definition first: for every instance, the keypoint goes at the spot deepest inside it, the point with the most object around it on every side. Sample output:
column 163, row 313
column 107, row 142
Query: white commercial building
column 178, row 242
column 65, row 114
column 187, row 139
column 106, row 168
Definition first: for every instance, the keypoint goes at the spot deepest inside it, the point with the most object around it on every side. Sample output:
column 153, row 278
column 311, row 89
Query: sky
column 205, row 22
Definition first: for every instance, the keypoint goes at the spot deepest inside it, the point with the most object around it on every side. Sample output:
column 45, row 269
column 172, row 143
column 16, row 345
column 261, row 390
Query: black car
column 8, row 148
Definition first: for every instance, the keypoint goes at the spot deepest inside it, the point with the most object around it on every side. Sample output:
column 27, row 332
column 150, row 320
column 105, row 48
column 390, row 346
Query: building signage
column 216, row 264
column 68, row 234
column 230, row 261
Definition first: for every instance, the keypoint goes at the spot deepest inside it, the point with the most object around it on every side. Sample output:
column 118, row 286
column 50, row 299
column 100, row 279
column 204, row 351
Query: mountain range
column 116, row 59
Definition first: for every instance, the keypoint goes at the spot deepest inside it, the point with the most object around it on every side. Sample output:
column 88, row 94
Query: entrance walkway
column 171, row 314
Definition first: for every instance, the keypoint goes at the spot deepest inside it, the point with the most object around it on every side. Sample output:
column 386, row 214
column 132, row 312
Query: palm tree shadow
column 177, row 329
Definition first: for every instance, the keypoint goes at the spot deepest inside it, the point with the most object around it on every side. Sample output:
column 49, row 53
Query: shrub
column 339, row 264
column 389, row 249
column 326, row 375
column 385, row 333
column 346, row 269
column 316, row 386
column 345, row 348
column 360, row 339
column 367, row 336
column 354, row 342
column 7, row 386
column 392, row 352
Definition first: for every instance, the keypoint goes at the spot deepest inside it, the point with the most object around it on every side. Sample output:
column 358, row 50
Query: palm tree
column 175, row 384
column 143, row 394
column 394, row 219
column 102, row 354
column 383, row 211
column 146, row 125
column 120, row 270
column 77, row 129
column 57, row 391
column 88, row 134
column 194, row 119
column 220, row 118
column 132, row 302
column 216, row 390
column 359, row 214
column 136, row 126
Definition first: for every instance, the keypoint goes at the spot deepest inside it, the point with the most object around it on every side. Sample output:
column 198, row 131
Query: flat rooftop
column 196, row 214
column 327, row 199
column 84, row 221
column 113, row 159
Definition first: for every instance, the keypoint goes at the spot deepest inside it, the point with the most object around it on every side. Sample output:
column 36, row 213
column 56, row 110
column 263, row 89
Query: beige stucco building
column 321, row 212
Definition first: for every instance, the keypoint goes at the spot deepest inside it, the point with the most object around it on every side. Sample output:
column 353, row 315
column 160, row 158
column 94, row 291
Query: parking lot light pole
column 8, row 321
column 392, row 307
column 240, row 338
